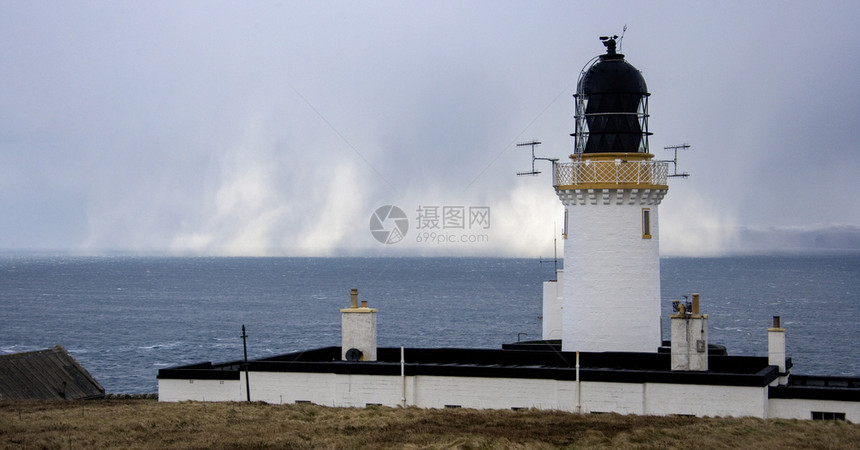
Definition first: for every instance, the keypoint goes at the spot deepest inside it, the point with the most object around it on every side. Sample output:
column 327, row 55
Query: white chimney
column 358, row 331
column 689, row 338
column 776, row 351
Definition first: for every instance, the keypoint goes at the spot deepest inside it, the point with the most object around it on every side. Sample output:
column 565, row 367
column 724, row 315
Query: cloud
column 270, row 200
column 340, row 220
column 276, row 129
column 830, row 238
column 693, row 226
column 528, row 219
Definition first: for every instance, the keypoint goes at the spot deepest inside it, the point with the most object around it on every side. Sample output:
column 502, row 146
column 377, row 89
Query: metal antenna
column 532, row 144
column 674, row 161
column 621, row 39
column 554, row 255
column 534, row 158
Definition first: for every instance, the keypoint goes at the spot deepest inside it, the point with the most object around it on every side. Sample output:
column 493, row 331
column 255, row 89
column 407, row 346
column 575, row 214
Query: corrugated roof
column 51, row 374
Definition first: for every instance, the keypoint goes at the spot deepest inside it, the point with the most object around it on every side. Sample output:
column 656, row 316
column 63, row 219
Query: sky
column 268, row 128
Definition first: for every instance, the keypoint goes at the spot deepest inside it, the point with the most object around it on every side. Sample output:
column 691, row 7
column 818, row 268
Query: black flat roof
column 819, row 388
column 619, row 367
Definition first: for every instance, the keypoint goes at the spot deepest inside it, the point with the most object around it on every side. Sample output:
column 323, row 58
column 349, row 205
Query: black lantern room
column 611, row 106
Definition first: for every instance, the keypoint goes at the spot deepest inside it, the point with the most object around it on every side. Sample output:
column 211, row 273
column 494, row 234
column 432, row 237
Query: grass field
column 145, row 423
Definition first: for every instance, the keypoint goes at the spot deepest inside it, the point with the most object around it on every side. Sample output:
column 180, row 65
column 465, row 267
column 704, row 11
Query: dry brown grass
column 149, row 424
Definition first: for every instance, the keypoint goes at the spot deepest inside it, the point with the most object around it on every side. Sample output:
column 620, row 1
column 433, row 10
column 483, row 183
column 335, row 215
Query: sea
column 124, row 318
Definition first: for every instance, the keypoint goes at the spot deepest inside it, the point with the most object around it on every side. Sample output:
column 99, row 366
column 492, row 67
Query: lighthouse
column 611, row 190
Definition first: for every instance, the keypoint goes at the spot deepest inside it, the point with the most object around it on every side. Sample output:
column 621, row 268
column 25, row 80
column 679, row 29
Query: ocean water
column 124, row 318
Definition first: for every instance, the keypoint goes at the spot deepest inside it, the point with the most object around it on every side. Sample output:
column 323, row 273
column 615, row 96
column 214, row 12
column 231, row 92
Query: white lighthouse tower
column 611, row 191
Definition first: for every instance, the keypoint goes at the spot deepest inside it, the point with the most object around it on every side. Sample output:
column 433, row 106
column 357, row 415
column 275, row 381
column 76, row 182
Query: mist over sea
column 124, row 318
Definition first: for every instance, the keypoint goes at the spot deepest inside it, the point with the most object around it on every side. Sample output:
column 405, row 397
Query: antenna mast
column 554, row 256
column 621, row 40
column 674, row 161
column 532, row 144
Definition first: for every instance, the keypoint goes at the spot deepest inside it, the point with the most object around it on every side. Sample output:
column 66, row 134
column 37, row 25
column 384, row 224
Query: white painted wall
column 492, row 393
column 786, row 408
column 488, row 393
column 552, row 307
column 200, row 390
column 325, row 388
column 611, row 286
column 699, row 400
column 622, row 398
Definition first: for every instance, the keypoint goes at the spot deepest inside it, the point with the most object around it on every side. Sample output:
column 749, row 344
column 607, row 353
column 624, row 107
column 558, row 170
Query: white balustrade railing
column 611, row 172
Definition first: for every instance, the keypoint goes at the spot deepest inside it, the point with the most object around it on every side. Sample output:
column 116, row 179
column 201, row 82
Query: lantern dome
column 611, row 106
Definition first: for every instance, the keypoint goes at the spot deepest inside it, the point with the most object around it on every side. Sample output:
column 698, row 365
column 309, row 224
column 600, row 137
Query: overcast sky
column 277, row 128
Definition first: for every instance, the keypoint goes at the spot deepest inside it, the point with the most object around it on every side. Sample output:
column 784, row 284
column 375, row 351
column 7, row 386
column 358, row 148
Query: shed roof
column 51, row 374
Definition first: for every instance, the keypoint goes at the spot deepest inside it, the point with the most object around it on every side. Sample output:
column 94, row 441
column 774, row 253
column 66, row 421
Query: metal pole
column 578, row 387
column 245, row 348
column 403, row 375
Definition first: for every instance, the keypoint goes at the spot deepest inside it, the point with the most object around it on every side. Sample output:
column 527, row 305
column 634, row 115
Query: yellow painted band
column 612, row 156
column 572, row 187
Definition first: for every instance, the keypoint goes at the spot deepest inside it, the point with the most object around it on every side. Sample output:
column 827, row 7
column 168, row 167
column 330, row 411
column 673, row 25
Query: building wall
column 201, row 390
column 481, row 393
column 325, row 388
column 661, row 399
column 699, row 400
column 552, row 307
column 492, row 393
column 622, row 398
column 423, row 391
column 612, row 274
column 789, row 408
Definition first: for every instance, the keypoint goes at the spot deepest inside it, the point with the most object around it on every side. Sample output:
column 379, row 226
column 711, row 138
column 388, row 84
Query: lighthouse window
column 564, row 231
column 646, row 223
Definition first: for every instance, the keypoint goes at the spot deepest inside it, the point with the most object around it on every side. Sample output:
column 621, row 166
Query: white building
column 602, row 348
column 682, row 381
